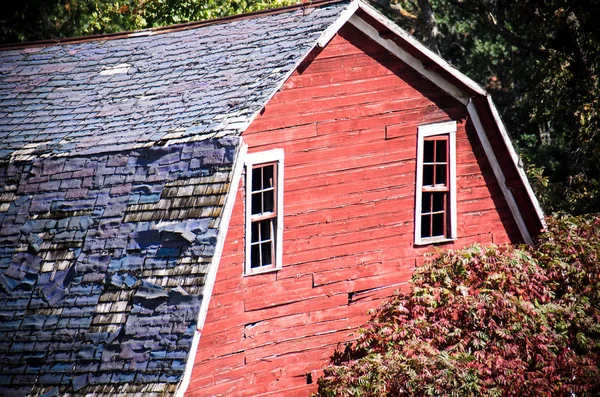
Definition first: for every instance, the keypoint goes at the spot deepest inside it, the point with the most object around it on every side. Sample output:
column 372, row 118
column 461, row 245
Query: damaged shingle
column 115, row 160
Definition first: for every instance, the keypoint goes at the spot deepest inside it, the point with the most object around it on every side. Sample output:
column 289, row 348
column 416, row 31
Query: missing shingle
column 121, row 68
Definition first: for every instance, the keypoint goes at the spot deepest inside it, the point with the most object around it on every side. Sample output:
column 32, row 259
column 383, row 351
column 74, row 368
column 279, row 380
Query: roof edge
column 211, row 277
column 320, row 42
column 515, row 158
column 166, row 29
column 468, row 83
column 499, row 173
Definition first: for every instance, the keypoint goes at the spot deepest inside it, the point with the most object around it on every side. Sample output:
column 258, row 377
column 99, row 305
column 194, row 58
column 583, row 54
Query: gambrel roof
column 118, row 158
column 152, row 87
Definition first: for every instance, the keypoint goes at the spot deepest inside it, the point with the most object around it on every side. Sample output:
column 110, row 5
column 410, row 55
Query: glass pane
column 439, row 201
column 426, row 202
column 266, row 253
column 254, row 235
column 256, row 203
column 256, row 178
column 428, row 148
column 427, row 175
column 268, row 201
column 426, row 226
column 440, row 174
column 268, row 177
column 265, row 229
column 255, row 256
column 439, row 224
column 441, row 151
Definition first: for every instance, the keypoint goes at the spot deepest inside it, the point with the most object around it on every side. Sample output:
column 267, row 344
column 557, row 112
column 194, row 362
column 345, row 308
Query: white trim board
column 515, row 159
column 413, row 62
column 489, row 152
column 332, row 30
column 321, row 41
column 268, row 156
column 372, row 12
column 427, row 130
column 211, row 275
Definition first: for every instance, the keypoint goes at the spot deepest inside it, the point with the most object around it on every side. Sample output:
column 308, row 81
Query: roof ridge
column 170, row 28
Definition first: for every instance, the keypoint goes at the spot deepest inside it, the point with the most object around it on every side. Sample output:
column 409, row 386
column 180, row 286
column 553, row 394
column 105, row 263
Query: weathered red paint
column 348, row 126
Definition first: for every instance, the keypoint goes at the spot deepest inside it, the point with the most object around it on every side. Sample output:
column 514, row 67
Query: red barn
column 373, row 152
column 304, row 159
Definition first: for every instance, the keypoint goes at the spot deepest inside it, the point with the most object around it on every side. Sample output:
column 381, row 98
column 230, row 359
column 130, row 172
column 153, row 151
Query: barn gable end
column 212, row 208
column 347, row 120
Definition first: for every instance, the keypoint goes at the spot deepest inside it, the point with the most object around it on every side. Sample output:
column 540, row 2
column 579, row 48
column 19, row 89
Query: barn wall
column 348, row 125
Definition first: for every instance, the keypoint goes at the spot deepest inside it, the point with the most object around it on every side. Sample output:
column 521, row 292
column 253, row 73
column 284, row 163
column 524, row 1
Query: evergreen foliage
column 487, row 321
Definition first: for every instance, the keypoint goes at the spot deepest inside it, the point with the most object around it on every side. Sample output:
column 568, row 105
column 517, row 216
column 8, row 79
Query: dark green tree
column 28, row 20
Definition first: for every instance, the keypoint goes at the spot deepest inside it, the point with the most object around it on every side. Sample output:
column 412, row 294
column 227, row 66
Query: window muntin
column 264, row 209
column 435, row 212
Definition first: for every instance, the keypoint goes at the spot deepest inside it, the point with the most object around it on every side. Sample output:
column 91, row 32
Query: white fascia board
column 372, row 12
column 321, row 41
column 331, row 31
column 406, row 57
column 516, row 161
column 211, row 275
column 487, row 147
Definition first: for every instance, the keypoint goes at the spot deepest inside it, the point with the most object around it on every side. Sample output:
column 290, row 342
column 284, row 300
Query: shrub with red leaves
column 493, row 321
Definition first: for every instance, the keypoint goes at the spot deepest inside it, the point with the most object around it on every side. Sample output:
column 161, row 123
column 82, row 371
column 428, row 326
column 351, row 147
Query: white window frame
column 252, row 160
column 430, row 130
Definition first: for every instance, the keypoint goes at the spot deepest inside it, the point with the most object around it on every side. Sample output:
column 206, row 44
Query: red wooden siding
column 349, row 208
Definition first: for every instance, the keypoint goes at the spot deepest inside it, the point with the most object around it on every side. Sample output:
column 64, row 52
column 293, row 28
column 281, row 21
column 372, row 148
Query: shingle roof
column 108, row 95
column 116, row 158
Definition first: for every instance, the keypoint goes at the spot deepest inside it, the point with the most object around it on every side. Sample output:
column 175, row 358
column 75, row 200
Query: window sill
column 435, row 240
column 257, row 271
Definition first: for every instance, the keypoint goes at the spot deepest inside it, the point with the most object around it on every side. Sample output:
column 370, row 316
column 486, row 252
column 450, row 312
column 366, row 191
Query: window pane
column 428, row 149
column 426, row 202
column 440, row 174
column 268, row 177
column 265, row 229
column 256, row 178
column 441, row 151
column 427, row 175
column 267, row 257
column 268, row 201
column 426, row 226
column 439, row 201
column 255, row 235
column 439, row 224
column 255, row 256
column 256, row 203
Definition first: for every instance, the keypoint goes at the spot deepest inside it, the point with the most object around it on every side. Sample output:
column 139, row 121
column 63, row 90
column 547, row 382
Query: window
column 435, row 212
column 264, row 211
